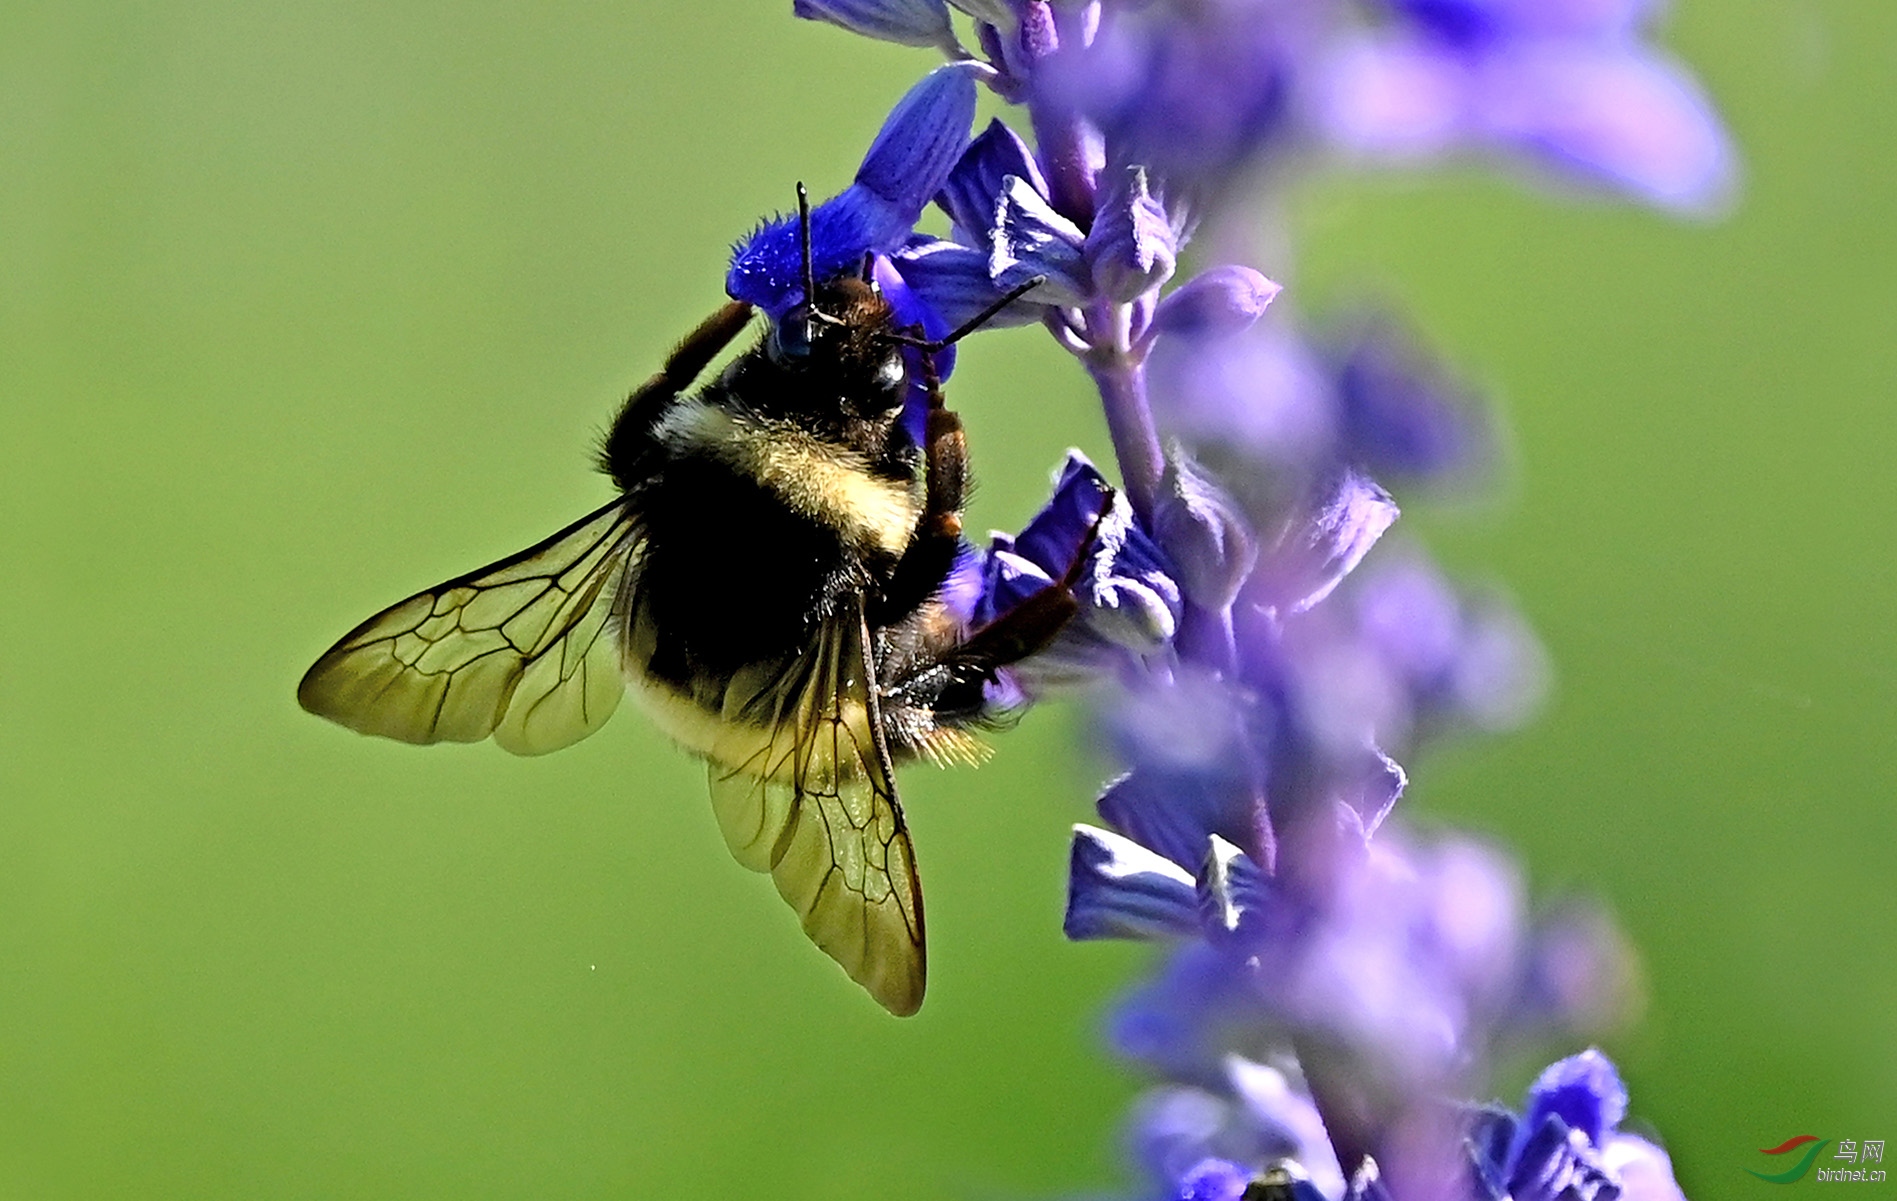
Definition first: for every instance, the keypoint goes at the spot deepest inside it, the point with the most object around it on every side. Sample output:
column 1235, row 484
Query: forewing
column 519, row 650
column 802, row 786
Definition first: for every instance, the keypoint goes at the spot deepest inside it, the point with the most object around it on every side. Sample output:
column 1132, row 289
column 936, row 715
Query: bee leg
column 632, row 428
column 938, row 534
column 960, row 672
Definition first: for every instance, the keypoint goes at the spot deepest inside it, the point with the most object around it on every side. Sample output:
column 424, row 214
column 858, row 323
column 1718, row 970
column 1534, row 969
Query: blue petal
column 1560, row 1164
column 914, row 311
column 1119, row 889
column 1127, row 593
column 922, row 140
column 1174, row 813
column 910, row 22
column 1584, row 1091
column 1232, row 892
column 1491, row 1136
column 905, row 166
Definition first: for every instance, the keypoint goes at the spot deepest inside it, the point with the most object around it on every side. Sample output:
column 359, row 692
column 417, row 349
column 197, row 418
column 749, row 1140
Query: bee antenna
column 803, row 242
column 973, row 323
column 810, row 273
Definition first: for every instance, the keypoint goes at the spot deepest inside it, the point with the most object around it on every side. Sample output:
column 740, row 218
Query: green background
column 303, row 307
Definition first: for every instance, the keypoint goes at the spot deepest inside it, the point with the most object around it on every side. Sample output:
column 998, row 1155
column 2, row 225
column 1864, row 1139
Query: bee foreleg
column 938, row 534
column 958, row 673
column 632, row 429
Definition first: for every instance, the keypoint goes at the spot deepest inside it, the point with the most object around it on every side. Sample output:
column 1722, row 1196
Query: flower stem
column 1121, row 380
column 1342, row 1108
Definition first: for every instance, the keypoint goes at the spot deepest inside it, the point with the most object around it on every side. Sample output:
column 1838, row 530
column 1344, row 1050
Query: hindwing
column 802, row 787
column 522, row 650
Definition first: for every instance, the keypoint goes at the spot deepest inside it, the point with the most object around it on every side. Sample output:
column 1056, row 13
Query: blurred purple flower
column 1569, row 83
column 1567, row 1143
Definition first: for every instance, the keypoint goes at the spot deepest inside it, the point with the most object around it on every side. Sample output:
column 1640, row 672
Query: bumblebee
column 768, row 585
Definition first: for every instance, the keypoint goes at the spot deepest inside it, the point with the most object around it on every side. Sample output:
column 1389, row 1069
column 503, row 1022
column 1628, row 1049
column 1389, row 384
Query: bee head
column 841, row 345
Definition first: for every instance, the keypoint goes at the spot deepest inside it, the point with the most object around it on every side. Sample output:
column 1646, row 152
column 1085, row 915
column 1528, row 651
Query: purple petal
column 1216, row 303
column 1174, row 813
column 1232, row 892
column 1402, row 411
column 912, row 310
column 1031, row 239
column 953, row 281
column 1475, row 21
column 1384, row 96
column 974, row 187
column 1645, row 1172
column 1627, row 117
column 1288, row 1119
column 1203, row 531
column 1127, row 594
column 1346, row 524
column 1367, row 1184
column 1119, row 889
column 1213, row 1180
column 1132, row 247
column 910, row 22
column 1560, row 1164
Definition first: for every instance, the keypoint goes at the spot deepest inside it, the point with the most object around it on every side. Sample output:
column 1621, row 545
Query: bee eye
column 790, row 339
column 891, row 376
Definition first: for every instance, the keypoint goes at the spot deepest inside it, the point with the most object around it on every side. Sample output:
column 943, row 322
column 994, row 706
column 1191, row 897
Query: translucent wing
column 802, row 786
column 519, row 649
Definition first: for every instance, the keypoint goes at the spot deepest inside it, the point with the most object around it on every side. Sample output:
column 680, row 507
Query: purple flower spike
column 1132, row 247
column 1215, row 303
column 906, row 165
column 910, row 22
column 1117, row 888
